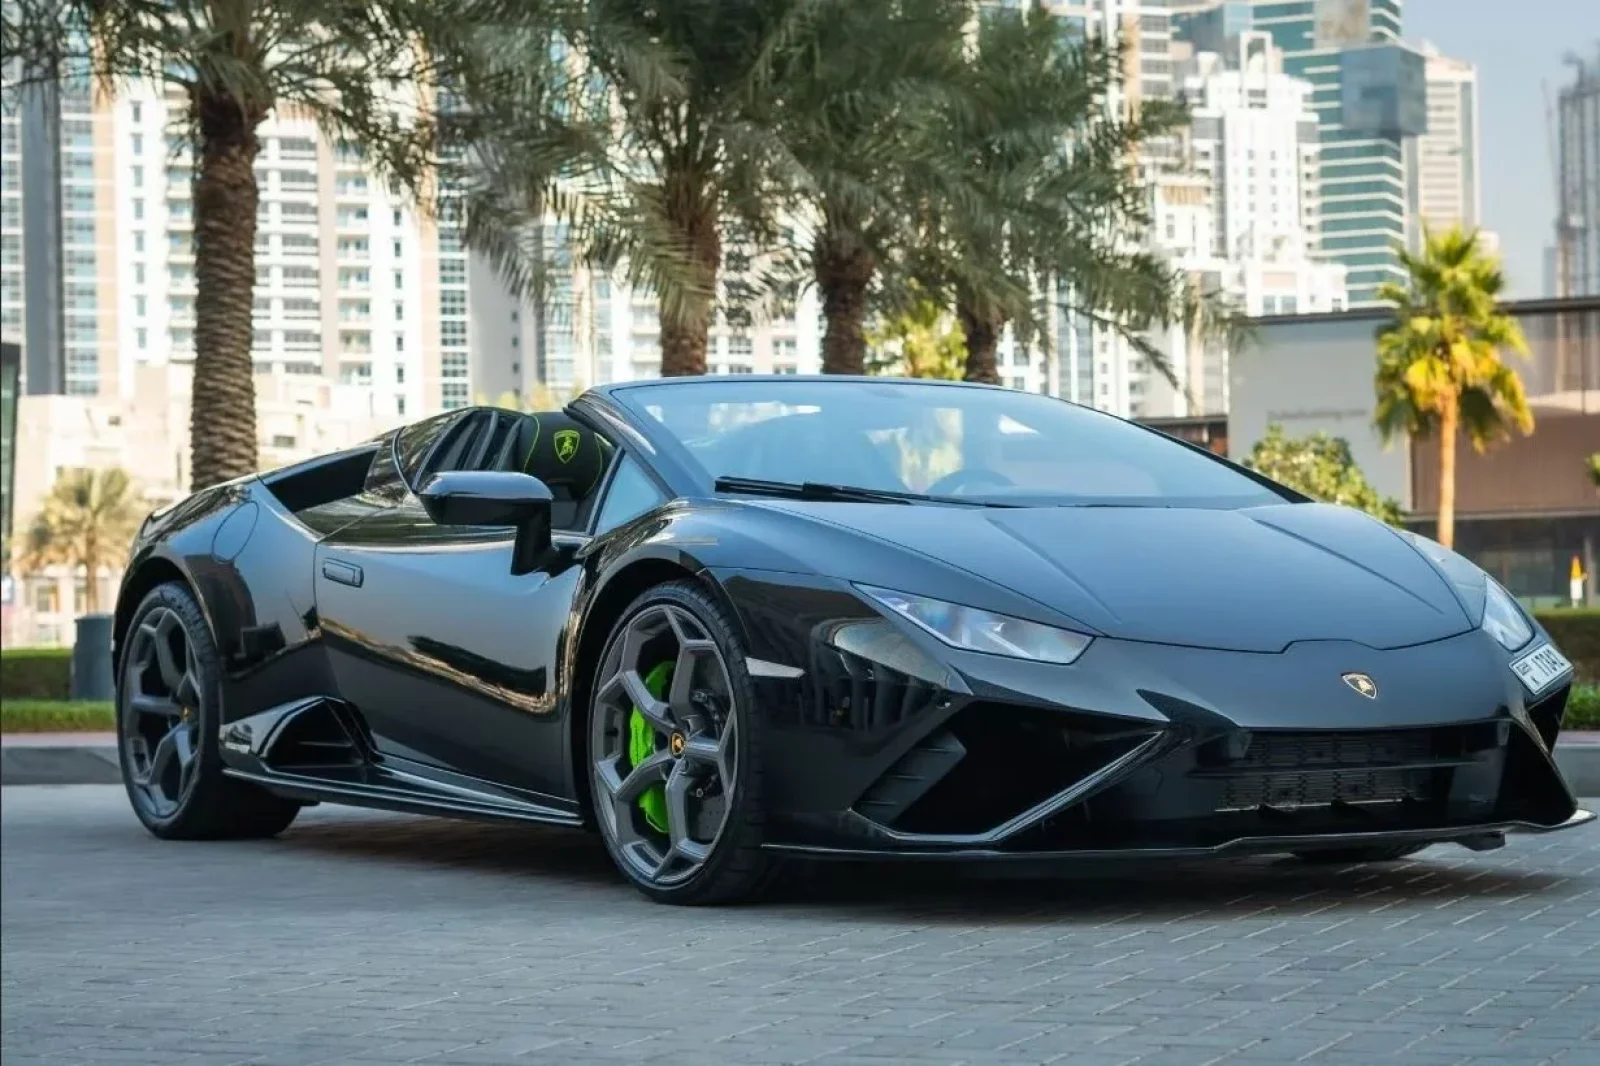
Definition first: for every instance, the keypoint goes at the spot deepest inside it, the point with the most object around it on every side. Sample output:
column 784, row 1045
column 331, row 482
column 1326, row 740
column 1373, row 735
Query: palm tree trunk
column 684, row 336
column 222, row 412
column 983, row 343
column 844, row 268
column 1449, row 420
column 91, row 573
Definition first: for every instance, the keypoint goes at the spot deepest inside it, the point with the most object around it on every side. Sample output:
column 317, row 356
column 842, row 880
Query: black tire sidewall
column 208, row 774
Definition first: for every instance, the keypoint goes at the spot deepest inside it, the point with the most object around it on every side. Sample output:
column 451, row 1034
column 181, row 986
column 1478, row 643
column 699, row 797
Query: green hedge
column 1583, row 708
column 35, row 673
column 1577, row 633
column 55, row 716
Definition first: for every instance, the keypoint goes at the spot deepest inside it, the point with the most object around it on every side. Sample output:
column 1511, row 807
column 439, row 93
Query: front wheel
column 675, row 752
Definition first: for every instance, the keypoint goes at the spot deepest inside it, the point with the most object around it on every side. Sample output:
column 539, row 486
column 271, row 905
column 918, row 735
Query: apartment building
column 1449, row 186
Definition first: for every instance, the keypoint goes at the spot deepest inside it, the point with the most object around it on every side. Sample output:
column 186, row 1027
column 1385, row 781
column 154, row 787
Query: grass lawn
column 59, row 716
column 55, row 716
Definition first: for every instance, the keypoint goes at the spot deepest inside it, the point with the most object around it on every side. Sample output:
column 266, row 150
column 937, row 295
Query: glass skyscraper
column 1370, row 98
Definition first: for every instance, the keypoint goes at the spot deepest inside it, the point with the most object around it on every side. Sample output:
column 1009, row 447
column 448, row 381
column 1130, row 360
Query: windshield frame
column 679, row 466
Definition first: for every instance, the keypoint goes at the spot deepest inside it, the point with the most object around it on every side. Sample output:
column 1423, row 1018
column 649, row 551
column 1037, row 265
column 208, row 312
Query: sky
column 1515, row 46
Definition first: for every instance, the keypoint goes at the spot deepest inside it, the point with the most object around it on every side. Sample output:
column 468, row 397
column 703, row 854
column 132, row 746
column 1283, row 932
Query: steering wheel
column 958, row 481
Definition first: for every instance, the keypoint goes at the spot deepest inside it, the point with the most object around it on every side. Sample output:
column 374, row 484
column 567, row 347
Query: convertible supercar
column 723, row 621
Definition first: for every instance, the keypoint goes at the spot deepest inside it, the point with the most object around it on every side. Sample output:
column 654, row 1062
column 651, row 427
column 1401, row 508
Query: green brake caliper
column 642, row 742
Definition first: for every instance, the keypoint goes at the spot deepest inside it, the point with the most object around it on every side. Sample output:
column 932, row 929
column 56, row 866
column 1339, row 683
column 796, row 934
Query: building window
column 46, row 597
column 138, row 144
column 141, row 338
column 138, row 243
column 137, row 112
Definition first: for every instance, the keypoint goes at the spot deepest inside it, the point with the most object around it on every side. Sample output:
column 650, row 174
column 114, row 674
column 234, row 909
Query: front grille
column 1322, row 788
column 1293, row 770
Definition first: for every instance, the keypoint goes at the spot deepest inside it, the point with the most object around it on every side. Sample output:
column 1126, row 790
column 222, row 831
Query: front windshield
column 940, row 440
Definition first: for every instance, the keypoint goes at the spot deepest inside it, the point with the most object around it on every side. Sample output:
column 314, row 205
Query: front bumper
column 1477, row 838
column 892, row 745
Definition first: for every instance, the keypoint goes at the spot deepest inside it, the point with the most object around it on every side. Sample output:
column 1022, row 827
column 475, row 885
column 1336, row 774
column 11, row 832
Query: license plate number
column 1540, row 667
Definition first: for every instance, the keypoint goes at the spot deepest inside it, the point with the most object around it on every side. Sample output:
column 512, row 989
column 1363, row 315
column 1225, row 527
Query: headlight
column 975, row 630
column 1504, row 619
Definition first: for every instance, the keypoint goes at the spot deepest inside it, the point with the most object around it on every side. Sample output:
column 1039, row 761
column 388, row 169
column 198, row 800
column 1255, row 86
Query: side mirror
column 494, row 498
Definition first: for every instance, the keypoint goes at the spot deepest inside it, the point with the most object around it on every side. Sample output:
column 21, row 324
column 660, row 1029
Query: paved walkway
column 370, row 938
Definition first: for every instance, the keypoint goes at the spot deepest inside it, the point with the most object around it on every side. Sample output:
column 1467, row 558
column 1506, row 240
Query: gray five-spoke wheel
column 692, row 750
column 161, row 723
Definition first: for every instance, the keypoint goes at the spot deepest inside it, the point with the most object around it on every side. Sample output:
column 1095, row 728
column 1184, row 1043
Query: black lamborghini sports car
column 728, row 621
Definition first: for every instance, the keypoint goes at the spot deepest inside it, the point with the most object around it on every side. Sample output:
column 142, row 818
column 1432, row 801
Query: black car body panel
column 375, row 657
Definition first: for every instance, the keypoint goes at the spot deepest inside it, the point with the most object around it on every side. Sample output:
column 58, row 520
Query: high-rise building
column 1577, row 249
column 1369, row 93
column 1243, row 220
column 1448, row 155
column 352, row 283
column 58, row 248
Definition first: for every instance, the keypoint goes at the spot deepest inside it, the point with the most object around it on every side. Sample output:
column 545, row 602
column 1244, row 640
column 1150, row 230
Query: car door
column 448, row 655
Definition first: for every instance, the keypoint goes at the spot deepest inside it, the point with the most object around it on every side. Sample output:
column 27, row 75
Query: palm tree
column 1439, row 357
column 639, row 130
column 858, row 106
column 1050, row 200
column 922, row 341
column 237, row 62
column 88, row 520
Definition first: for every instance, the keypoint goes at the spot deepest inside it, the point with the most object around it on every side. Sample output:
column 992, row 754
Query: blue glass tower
column 1370, row 96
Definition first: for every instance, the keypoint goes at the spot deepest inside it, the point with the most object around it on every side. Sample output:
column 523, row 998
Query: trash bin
column 91, row 660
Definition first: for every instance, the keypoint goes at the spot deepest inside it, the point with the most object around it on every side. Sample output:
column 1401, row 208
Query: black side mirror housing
column 494, row 498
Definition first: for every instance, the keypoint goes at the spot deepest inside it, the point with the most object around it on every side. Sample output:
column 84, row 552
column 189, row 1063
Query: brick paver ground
column 369, row 938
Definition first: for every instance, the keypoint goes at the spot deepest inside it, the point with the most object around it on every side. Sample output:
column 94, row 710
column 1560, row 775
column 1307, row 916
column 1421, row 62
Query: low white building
column 146, row 433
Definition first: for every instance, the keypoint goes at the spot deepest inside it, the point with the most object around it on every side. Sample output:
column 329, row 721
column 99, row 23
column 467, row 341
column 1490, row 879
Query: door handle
column 342, row 572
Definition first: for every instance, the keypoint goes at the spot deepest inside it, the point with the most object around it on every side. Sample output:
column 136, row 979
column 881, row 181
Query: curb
column 59, row 759
column 91, row 759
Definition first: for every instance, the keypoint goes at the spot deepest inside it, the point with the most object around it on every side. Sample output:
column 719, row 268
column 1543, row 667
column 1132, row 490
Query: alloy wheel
column 161, row 723
column 664, row 742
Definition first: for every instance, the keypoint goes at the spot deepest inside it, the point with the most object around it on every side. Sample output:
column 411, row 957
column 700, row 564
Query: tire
column 1348, row 856
column 733, row 868
column 187, row 799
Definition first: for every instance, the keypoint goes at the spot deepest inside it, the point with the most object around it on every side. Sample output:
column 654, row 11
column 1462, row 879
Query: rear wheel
column 168, row 730
column 1347, row 856
column 675, row 756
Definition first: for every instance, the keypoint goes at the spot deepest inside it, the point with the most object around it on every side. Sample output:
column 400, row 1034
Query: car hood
column 1256, row 579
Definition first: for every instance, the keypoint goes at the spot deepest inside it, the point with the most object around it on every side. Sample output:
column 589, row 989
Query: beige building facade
column 147, row 434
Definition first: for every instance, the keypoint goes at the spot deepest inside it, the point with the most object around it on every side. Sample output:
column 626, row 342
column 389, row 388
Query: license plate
column 1540, row 667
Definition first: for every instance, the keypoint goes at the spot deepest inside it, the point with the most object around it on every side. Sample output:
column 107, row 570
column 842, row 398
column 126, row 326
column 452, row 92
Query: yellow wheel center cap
column 676, row 743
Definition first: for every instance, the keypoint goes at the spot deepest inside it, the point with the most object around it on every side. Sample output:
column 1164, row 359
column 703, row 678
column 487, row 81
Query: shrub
column 1577, row 634
column 1583, row 708
column 35, row 673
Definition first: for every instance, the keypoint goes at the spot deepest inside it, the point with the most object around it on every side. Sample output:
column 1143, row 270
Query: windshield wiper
column 818, row 490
